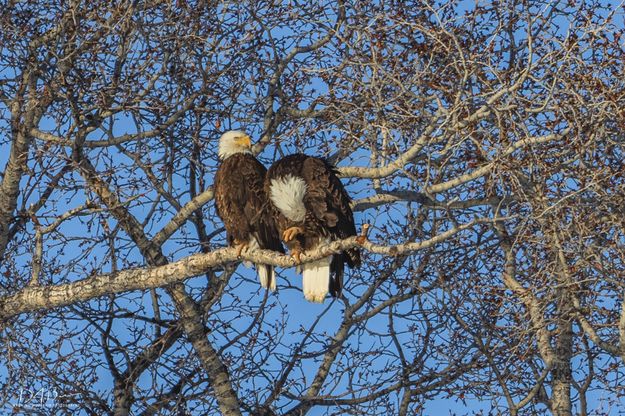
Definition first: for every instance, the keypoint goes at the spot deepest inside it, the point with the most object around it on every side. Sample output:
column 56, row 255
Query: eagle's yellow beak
column 244, row 141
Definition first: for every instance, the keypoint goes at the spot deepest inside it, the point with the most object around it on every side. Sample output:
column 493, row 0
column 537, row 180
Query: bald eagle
column 311, row 208
column 241, row 201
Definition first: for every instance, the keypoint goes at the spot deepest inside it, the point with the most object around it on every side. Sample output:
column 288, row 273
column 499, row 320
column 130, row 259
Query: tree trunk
column 562, row 376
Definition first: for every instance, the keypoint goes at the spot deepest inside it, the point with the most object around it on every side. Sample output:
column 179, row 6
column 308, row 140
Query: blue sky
column 292, row 312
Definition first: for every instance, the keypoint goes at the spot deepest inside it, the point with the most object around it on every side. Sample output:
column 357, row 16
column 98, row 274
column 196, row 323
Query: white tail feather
column 268, row 282
column 316, row 279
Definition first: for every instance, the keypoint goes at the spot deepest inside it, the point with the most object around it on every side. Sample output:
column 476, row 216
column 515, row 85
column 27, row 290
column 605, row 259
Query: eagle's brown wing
column 327, row 199
column 242, row 204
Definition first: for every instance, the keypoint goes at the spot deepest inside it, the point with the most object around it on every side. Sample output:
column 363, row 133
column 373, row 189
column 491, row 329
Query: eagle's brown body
column 327, row 217
column 242, row 205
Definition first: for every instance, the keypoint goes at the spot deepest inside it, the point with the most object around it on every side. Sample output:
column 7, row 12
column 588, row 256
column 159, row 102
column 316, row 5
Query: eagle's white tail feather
column 268, row 282
column 316, row 279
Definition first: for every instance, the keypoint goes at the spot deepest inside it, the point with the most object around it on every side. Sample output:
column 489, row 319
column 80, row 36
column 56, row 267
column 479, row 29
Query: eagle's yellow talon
column 290, row 233
column 240, row 247
column 297, row 256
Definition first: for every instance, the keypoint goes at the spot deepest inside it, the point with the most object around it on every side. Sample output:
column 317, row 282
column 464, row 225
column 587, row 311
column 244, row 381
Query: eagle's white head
column 234, row 141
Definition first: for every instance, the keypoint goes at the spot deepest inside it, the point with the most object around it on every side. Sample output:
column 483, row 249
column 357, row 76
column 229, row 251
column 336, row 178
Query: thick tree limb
column 48, row 297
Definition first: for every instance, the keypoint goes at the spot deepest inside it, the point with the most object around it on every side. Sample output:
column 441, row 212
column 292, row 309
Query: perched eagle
column 311, row 208
column 242, row 203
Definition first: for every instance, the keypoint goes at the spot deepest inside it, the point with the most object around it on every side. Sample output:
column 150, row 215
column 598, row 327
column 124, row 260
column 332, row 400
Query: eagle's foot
column 290, row 233
column 363, row 234
column 296, row 255
column 240, row 246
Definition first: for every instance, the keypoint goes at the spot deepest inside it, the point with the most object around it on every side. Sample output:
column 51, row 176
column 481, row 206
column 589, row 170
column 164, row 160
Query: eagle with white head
column 241, row 201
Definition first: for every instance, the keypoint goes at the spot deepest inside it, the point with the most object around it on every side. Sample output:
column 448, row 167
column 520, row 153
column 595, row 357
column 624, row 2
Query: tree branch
column 48, row 297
